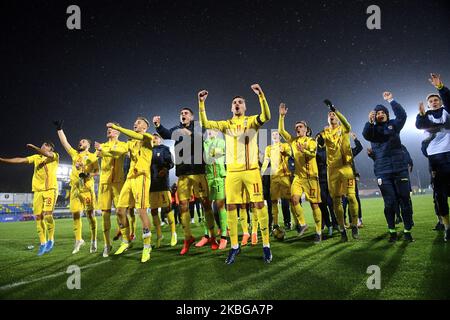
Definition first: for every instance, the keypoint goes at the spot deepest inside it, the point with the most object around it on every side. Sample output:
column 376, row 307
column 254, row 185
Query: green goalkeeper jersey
column 214, row 149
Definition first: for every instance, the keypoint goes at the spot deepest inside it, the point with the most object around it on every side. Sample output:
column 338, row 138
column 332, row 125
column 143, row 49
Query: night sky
column 152, row 57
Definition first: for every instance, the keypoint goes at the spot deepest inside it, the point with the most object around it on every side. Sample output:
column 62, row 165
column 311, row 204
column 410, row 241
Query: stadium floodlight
column 63, row 172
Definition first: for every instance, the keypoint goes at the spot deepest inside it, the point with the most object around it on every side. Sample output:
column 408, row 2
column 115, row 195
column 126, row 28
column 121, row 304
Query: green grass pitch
column 300, row 269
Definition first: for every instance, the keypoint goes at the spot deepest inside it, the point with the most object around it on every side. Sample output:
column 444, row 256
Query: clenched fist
column 387, row 95
column 202, row 95
column 257, row 89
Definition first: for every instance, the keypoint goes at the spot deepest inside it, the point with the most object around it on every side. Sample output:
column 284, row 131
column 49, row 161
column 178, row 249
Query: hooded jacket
column 385, row 142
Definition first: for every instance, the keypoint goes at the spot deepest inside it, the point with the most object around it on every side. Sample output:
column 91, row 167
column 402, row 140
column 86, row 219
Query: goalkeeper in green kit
column 214, row 148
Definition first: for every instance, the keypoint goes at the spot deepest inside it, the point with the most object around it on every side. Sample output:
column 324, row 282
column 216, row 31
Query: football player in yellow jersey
column 306, row 174
column 277, row 154
column 341, row 176
column 112, row 177
column 135, row 192
column 45, row 191
column 82, row 195
column 242, row 155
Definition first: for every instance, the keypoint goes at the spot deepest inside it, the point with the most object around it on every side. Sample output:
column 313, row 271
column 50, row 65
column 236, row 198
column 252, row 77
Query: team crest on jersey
column 158, row 154
column 390, row 127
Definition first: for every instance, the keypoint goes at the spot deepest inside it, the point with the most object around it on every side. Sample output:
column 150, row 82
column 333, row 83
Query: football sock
column 232, row 222
column 132, row 222
column 263, row 220
column 77, row 225
column 106, row 225
column 93, row 226
column 171, row 220
column 223, row 221
column 339, row 211
column 50, row 223
column 353, row 208
column 317, row 214
column 254, row 222
column 275, row 213
column 157, row 223
column 40, row 226
column 299, row 214
column 243, row 217
column 125, row 231
column 147, row 237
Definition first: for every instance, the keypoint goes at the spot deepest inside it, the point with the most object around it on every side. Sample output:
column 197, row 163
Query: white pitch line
column 21, row 283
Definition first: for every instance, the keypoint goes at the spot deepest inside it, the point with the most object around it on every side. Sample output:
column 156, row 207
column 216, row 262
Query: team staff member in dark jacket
column 160, row 196
column 436, row 122
column 390, row 165
column 190, row 169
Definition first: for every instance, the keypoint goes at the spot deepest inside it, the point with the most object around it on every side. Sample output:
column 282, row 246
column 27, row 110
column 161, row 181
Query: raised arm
column 265, row 110
column 342, row 119
column 344, row 122
column 15, row 160
column 130, row 133
column 204, row 122
column 50, row 155
column 444, row 92
column 358, row 145
column 62, row 137
column 162, row 131
column 281, row 130
column 120, row 150
column 399, row 112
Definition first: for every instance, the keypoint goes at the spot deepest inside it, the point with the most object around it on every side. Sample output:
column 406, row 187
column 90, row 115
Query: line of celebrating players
column 230, row 174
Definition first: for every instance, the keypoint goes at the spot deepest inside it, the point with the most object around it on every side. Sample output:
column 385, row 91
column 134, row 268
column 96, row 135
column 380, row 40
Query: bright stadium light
column 63, row 172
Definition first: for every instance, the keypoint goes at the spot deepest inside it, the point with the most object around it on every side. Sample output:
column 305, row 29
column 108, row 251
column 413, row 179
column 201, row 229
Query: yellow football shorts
column 107, row 194
column 249, row 180
column 194, row 183
column 245, row 196
column 341, row 181
column 44, row 201
column 280, row 187
column 310, row 187
column 81, row 199
column 160, row 199
column 135, row 193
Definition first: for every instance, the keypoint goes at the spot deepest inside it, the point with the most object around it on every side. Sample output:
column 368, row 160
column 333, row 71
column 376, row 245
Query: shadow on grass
column 436, row 282
column 388, row 256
